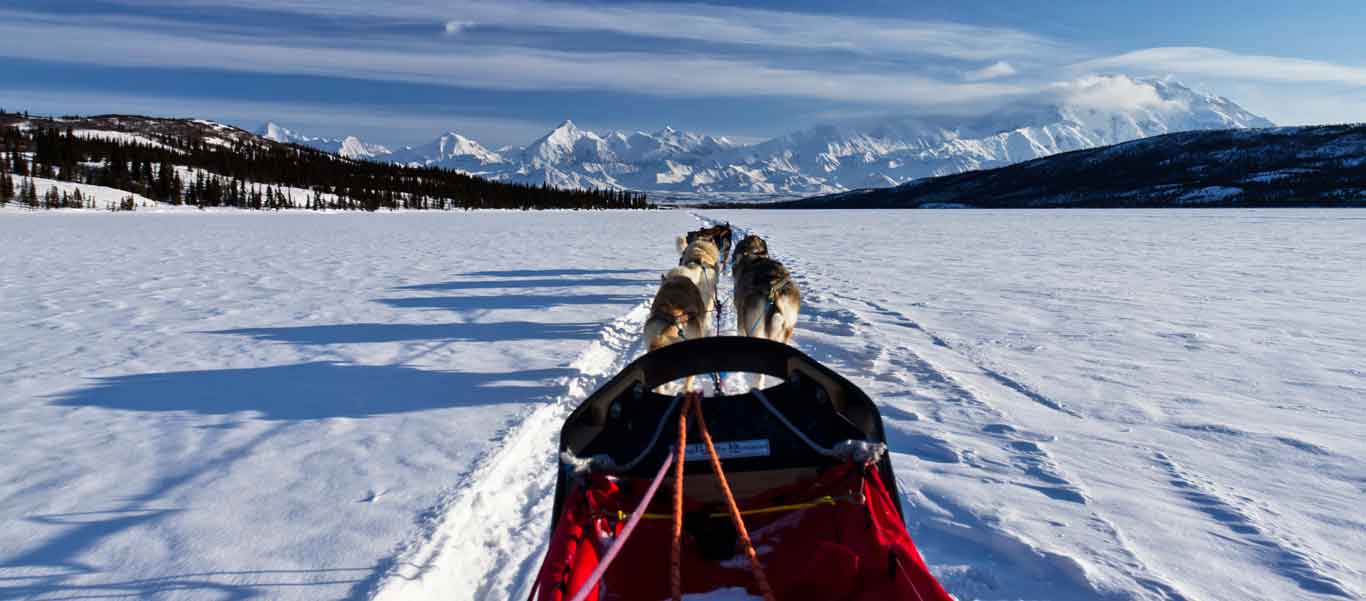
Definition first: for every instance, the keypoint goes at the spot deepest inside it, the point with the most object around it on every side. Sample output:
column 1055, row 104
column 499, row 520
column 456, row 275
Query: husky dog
column 702, row 252
column 766, row 299
column 700, row 262
column 676, row 314
column 720, row 235
column 752, row 246
column 705, row 278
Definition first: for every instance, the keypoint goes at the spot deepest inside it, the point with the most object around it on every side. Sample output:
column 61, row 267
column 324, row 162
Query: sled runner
column 786, row 493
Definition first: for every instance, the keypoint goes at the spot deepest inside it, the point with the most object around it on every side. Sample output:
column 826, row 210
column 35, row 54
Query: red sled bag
column 805, row 469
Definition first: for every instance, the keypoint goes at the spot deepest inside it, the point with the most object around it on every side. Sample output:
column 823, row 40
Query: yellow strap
column 826, row 500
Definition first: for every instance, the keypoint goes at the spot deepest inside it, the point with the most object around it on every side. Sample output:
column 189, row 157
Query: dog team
column 765, row 301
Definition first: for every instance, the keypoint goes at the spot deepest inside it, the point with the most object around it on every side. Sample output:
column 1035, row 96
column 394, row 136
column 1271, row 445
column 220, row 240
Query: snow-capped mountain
column 453, row 151
column 350, row 147
column 894, row 150
column 1086, row 113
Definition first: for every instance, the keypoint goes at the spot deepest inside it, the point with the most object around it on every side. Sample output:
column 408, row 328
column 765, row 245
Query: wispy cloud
column 1223, row 64
column 992, row 71
column 779, row 29
column 499, row 67
column 850, row 64
column 687, row 21
column 387, row 127
column 454, row 27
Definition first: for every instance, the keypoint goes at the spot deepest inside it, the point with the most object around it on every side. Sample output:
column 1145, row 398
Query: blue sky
column 505, row 71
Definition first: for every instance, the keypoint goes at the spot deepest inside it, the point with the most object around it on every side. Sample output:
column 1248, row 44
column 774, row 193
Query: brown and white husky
column 766, row 298
column 676, row 314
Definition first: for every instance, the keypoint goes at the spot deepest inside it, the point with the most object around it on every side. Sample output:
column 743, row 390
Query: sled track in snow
column 1289, row 557
column 956, row 388
column 484, row 538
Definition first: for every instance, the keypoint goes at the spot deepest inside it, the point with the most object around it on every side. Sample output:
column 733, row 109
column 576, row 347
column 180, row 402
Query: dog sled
column 784, row 493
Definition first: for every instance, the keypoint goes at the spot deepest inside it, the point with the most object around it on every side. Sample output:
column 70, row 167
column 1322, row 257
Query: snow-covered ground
column 102, row 196
column 1113, row 404
column 105, row 197
column 1081, row 405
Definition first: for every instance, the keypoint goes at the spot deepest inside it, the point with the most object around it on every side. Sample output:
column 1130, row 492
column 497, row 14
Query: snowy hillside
column 1128, row 405
column 831, row 158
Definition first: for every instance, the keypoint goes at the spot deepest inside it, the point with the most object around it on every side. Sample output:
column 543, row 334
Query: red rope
column 690, row 399
column 734, row 509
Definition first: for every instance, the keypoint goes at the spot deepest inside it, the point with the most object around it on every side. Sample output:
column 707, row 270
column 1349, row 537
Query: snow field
column 1123, row 404
column 1080, row 405
column 241, row 405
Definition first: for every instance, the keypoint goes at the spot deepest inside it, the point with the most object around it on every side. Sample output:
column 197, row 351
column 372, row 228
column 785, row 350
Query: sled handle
column 729, row 354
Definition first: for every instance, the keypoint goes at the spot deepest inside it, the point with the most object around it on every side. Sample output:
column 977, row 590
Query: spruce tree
column 30, row 194
column 6, row 185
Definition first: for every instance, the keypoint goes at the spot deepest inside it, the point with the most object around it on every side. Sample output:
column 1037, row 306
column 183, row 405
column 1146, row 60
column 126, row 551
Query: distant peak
column 274, row 131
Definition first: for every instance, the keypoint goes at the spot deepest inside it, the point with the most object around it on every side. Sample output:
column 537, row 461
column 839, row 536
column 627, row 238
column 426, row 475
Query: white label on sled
column 728, row 449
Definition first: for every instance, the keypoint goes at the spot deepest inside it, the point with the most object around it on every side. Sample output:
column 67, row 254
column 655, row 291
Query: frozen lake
column 1081, row 405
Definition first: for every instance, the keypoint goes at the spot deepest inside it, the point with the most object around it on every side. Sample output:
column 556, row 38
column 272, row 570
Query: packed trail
column 1135, row 405
column 487, row 536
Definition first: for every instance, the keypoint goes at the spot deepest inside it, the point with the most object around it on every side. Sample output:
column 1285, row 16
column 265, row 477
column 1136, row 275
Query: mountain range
column 870, row 153
column 1310, row 166
column 350, row 146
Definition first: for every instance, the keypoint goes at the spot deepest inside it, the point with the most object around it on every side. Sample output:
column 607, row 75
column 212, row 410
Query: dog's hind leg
column 782, row 329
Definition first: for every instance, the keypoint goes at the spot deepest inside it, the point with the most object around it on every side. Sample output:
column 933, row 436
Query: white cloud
column 455, row 27
column 499, row 67
column 1111, row 92
column 1286, row 90
column 780, row 29
column 887, row 77
column 694, row 22
column 992, row 71
column 387, row 126
column 1217, row 63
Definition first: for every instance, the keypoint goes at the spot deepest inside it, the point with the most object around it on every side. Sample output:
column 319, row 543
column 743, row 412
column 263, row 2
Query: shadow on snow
column 313, row 390
column 529, row 283
column 506, row 301
column 287, row 394
column 531, row 273
column 357, row 333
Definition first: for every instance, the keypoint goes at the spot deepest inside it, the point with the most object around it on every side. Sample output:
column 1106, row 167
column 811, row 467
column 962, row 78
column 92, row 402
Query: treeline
column 188, row 168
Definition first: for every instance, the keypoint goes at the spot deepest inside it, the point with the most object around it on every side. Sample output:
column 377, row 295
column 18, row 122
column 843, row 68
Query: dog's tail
column 681, row 244
column 776, row 321
column 782, row 319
